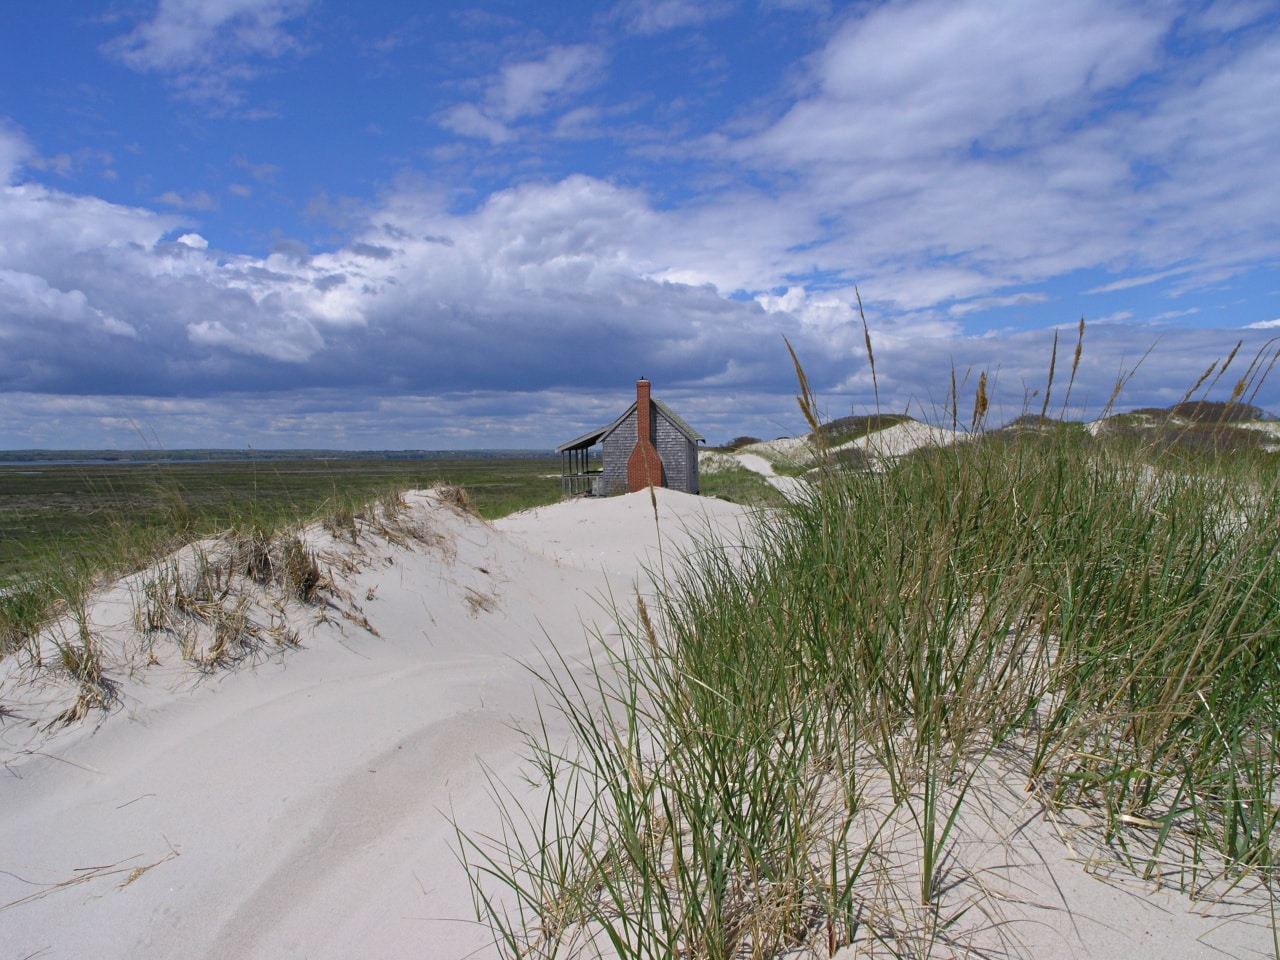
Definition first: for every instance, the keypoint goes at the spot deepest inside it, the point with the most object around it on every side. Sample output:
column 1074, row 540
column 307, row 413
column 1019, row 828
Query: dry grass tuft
column 81, row 659
column 201, row 600
column 458, row 498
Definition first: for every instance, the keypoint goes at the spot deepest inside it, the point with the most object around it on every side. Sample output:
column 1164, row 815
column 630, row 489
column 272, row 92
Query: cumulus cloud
column 208, row 48
column 570, row 288
column 30, row 297
column 947, row 158
column 510, row 296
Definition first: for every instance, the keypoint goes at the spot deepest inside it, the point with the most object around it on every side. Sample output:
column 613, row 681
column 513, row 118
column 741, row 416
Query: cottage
column 648, row 444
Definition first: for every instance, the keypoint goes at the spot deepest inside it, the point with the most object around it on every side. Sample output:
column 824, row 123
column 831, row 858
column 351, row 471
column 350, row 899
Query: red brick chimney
column 644, row 467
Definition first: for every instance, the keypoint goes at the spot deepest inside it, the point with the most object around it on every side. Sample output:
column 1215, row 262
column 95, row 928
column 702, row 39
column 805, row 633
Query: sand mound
column 294, row 797
column 903, row 438
column 295, row 800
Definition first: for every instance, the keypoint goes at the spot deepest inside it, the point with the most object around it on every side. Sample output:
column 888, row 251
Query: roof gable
column 692, row 435
column 600, row 433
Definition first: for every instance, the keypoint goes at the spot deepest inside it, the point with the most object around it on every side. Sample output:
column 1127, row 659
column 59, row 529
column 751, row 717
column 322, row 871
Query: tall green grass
column 65, row 527
column 1097, row 621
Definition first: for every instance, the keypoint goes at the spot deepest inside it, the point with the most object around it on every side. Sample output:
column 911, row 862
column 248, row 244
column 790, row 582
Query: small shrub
column 844, row 429
column 1209, row 411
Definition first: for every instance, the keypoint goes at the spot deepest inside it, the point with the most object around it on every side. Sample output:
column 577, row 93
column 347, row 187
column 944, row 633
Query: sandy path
column 791, row 487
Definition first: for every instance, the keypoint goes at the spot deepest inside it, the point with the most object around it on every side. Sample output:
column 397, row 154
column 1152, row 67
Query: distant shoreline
column 32, row 458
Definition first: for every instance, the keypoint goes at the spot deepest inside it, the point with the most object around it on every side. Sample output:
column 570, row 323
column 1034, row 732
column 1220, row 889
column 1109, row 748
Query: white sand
column 881, row 446
column 903, row 438
column 299, row 805
column 785, row 450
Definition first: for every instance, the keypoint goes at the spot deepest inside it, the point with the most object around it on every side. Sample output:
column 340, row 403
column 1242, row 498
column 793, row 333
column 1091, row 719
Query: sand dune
column 300, row 803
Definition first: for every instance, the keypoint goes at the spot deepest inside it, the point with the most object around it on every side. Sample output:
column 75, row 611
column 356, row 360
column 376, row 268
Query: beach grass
column 737, row 484
column 66, row 526
column 1094, row 619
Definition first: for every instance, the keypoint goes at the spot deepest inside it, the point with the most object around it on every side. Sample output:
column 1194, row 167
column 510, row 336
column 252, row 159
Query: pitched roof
column 598, row 435
column 584, row 441
column 693, row 435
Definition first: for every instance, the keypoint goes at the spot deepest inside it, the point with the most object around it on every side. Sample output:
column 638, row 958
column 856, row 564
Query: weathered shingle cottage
column 649, row 443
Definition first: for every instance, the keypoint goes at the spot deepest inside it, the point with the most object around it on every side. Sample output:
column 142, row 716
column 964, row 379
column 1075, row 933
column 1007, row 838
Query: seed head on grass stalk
column 980, row 402
column 808, row 404
column 1257, row 374
column 1075, row 365
column 1209, row 371
column 1048, row 388
column 657, row 526
column 1124, row 376
column 871, row 355
column 953, row 401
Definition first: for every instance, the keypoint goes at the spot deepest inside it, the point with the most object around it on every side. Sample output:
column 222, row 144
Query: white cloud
column 198, row 200
column 530, row 87
column 31, row 298
column 556, row 290
column 289, row 340
column 824, row 312
column 524, row 90
column 1226, row 16
column 14, row 151
column 1128, row 283
column 910, row 79
column 511, row 295
column 208, row 47
column 949, row 150
column 647, row 17
column 468, row 120
column 989, row 303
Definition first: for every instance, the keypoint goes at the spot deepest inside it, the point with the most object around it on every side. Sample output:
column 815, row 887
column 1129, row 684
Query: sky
column 390, row 225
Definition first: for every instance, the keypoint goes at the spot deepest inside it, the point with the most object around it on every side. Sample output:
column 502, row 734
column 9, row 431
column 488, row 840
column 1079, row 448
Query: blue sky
column 278, row 223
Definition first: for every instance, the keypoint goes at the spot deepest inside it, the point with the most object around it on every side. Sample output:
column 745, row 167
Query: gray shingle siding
column 676, row 442
column 679, row 453
column 617, row 450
